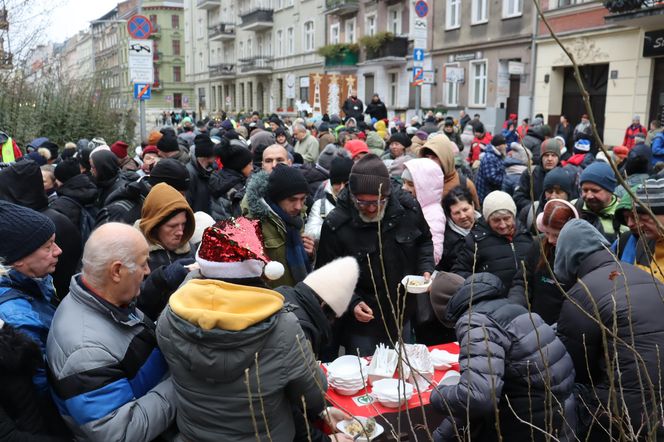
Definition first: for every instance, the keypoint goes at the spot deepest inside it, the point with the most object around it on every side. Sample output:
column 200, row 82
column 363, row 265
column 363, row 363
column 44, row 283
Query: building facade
column 620, row 57
column 482, row 53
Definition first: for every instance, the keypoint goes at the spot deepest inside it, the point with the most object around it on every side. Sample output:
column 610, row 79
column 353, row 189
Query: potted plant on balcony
column 374, row 43
column 339, row 54
column 619, row 6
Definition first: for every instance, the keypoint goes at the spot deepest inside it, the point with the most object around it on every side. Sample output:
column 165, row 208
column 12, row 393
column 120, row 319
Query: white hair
column 101, row 250
column 299, row 127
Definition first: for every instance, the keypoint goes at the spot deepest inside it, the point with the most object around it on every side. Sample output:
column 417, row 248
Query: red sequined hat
column 233, row 249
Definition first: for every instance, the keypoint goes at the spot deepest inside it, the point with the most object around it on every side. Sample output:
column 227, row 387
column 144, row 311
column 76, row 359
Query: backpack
column 87, row 219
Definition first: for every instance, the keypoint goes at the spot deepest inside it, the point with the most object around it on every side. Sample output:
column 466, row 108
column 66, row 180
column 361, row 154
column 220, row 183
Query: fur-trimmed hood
column 256, row 191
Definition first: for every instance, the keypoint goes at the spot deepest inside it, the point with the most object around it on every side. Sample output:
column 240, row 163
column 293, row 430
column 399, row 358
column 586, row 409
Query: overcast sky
column 71, row 16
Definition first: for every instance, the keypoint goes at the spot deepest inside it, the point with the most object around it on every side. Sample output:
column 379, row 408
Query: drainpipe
column 533, row 59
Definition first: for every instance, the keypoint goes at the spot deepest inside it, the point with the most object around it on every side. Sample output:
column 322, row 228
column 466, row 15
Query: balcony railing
column 221, row 31
column 635, row 12
column 257, row 19
column 345, row 58
column 222, row 70
column 396, row 47
column 256, row 64
column 157, row 86
column 341, row 7
column 208, row 4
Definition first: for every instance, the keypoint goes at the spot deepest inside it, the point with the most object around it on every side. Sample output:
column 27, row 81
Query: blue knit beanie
column 601, row 174
column 22, row 230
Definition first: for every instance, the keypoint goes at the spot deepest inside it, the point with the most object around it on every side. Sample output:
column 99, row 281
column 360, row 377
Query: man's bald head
column 113, row 251
column 273, row 155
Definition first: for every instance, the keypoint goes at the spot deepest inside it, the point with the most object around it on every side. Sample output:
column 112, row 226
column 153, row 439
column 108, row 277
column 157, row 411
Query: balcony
column 157, row 86
column 156, row 31
column 392, row 51
column 5, row 60
column 158, row 57
column 222, row 70
column 340, row 56
column 643, row 13
column 257, row 19
column 256, row 65
column 208, row 5
column 4, row 23
column 221, row 32
column 341, row 7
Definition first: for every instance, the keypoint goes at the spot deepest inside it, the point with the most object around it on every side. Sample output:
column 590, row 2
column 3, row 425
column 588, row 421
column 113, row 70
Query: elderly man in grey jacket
column 306, row 145
column 109, row 379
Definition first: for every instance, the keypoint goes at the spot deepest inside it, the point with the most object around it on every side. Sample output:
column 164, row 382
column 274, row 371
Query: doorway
column 259, row 97
column 513, row 99
column 595, row 79
column 657, row 96
column 368, row 88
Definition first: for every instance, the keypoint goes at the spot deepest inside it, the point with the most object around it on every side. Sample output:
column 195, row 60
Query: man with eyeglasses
column 384, row 229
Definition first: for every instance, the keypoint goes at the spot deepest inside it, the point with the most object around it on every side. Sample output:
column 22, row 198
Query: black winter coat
column 545, row 297
column 522, row 196
column 509, row 360
column 376, row 110
column 629, row 301
column 25, row 416
column 80, row 189
column 198, row 194
column 22, row 184
column 315, row 176
column 125, row 204
column 227, row 188
column 452, row 245
column 496, row 254
column 533, row 141
column 407, row 249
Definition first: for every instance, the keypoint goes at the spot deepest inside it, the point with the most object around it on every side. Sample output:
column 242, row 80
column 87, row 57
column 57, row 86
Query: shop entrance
column 657, row 97
column 595, row 79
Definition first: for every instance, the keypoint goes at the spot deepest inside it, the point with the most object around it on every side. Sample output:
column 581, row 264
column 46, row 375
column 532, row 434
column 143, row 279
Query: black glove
column 175, row 273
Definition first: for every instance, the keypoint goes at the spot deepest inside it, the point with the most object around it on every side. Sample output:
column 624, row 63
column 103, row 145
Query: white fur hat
column 335, row 283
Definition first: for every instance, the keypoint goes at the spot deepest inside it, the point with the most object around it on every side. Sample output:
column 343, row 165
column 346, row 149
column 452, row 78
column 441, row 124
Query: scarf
column 296, row 256
column 460, row 230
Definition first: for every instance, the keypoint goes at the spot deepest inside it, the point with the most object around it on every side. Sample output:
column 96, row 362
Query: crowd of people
column 184, row 289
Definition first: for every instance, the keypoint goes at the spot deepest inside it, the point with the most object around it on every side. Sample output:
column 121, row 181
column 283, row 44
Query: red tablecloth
column 362, row 404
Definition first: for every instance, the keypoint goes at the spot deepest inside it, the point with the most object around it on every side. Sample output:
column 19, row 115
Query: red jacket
column 477, row 147
column 631, row 132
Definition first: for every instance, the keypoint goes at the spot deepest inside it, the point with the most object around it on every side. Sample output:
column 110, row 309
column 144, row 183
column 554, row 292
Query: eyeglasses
column 365, row 204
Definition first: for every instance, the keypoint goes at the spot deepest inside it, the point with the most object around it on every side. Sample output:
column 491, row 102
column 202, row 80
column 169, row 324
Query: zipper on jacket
column 516, row 261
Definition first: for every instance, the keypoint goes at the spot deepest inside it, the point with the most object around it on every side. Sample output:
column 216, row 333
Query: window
column 451, row 89
column 511, row 8
column 153, row 20
column 175, row 21
column 478, row 83
column 452, row 14
column 278, row 4
column 288, row 3
column 309, row 43
column 304, row 89
column 394, row 87
column 394, row 20
column 370, row 28
column 241, row 50
column 479, row 12
column 176, row 47
column 334, row 34
column 177, row 100
column 177, row 74
column 350, row 31
column 290, row 41
column 279, row 48
column 250, row 48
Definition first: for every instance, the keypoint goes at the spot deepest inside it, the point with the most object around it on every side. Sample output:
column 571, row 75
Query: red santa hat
column 233, row 249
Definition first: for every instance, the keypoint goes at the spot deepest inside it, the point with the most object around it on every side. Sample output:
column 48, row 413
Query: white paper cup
column 452, row 377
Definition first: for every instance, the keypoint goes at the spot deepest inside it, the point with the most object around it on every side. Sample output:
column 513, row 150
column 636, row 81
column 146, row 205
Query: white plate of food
column 354, row 427
column 416, row 284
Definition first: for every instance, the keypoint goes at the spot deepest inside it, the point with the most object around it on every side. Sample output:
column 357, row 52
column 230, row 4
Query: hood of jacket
column 218, row 327
column 536, row 132
column 107, row 167
column 577, row 241
column 133, row 191
column 476, row 288
column 444, row 150
column 159, row 204
column 256, row 191
column 22, row 184
column 225, row 180
column 428, row 179
column 375, row 142
column 19, row 354
column 80, row 188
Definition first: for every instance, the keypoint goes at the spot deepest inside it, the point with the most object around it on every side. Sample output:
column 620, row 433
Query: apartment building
column 620, row 51
column 245, row 55
column 76, row 57
column 482, row 53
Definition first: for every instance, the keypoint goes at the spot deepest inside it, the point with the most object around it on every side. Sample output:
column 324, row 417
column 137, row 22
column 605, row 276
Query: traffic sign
column 140, row 60
column 142, row 91
column 139, row 27
column 418, row 76
column 421, row 8
column 418, row 54
column 428, row 77
column 419, row 31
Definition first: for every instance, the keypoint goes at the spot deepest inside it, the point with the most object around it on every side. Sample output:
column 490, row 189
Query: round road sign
column 421, row 8
column 139, row 27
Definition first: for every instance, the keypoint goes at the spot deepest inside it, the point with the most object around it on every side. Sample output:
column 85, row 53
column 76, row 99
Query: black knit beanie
column 168, row 143
column 204, row 147
column 284, row 182
column 340, row 170
column 23, row 231
column 370, row 176
column 235, row 157
column 401, row 138
column 67, row 169
column 171, row 172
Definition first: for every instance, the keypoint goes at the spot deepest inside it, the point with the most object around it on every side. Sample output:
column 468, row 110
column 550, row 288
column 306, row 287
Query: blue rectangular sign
column 418, row 54
column 142, row 91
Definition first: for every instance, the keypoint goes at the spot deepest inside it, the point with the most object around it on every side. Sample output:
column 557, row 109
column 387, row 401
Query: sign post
column 140, row 60
column 421, row 9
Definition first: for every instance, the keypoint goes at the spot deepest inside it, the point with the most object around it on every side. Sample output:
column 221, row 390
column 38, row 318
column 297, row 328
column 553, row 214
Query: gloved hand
column 175, row 272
